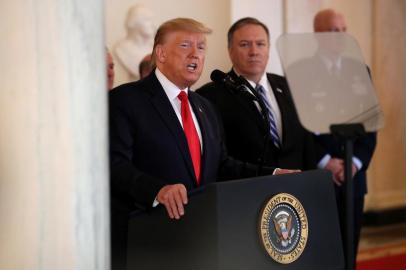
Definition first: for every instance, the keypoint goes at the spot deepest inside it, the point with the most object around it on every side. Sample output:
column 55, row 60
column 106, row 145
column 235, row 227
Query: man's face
column 337, row 24
column 181, row 57
column 249, row 51
column 110, row 71
column 334, row 23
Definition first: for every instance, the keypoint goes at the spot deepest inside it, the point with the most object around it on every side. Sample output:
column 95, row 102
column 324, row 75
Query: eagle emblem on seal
column 283, row 228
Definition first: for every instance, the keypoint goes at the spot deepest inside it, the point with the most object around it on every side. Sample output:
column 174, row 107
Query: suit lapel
column 204, row 129
column 248, row 104
column 280, row 93
column 164, row 108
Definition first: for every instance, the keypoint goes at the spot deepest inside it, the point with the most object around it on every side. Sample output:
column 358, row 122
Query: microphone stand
column 244, row 88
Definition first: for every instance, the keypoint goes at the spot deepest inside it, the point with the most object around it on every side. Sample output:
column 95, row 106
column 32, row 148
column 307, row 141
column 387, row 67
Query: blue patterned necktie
column 272, row 124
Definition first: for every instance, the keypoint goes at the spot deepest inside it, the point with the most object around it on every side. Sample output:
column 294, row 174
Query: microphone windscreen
column 218, row 76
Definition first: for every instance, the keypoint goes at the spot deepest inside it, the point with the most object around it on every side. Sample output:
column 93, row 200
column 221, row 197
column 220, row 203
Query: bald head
column 329, row 20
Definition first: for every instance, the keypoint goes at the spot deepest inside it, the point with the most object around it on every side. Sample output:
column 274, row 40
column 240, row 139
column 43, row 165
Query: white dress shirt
column 272, row 101
column 172, row 92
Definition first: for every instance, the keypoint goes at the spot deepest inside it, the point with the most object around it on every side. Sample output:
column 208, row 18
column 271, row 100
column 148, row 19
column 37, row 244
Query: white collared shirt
column 172, row 92
column 272, row 101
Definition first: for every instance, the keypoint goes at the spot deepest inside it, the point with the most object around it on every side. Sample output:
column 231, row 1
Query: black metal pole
column 348, row 133
column 349, row 232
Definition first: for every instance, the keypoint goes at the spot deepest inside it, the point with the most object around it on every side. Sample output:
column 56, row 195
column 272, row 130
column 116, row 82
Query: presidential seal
column 283, row 228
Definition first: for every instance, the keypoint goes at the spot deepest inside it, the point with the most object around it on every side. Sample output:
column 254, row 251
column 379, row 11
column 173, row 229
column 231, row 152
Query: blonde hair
column 178, row 24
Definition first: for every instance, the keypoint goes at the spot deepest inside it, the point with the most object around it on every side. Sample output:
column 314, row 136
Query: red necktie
column 191, row 133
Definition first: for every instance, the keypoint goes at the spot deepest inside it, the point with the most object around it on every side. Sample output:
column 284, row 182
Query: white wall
column 270, row 12
column 53, row 141
column 386, row 180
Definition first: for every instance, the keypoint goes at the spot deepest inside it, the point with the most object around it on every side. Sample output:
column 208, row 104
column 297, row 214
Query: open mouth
column 192, row 67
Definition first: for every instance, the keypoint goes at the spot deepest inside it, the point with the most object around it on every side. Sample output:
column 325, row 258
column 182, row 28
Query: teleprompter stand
column 348, row 133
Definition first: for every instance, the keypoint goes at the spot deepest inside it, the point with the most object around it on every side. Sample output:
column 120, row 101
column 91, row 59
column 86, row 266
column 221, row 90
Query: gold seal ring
column 283, row 228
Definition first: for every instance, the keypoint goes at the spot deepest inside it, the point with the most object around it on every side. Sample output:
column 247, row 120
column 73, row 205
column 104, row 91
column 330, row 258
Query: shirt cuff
column 357, row 162
column 323, row 162
column 155, row 203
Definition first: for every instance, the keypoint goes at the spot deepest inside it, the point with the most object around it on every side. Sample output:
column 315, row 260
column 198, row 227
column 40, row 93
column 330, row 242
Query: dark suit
column 148, row 149
column 246, row 129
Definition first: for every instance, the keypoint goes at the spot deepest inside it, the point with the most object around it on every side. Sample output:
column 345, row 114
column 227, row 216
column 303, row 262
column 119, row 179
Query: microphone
column 235, row 85
column 220, row 77
column 239, row 86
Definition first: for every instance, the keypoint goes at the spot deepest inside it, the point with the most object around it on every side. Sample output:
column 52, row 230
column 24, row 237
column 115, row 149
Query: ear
column 160, row 54
column 230, row 51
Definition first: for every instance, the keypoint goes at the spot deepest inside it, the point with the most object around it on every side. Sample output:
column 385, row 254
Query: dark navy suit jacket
column 148, row 148
column 245, row 127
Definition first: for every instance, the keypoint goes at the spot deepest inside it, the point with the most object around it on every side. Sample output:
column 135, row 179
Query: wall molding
column 381, row 201
column 385, row 217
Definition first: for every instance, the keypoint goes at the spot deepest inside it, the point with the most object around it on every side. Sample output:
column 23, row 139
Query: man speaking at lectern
column 165, row 139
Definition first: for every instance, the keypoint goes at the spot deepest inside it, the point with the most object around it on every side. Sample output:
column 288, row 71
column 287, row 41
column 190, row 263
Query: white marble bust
column 139, row 40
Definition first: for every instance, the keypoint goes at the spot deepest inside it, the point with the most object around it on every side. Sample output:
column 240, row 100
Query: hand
column 354, row 171
column 284, row 171
column 173, row 197
column 336, row 166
